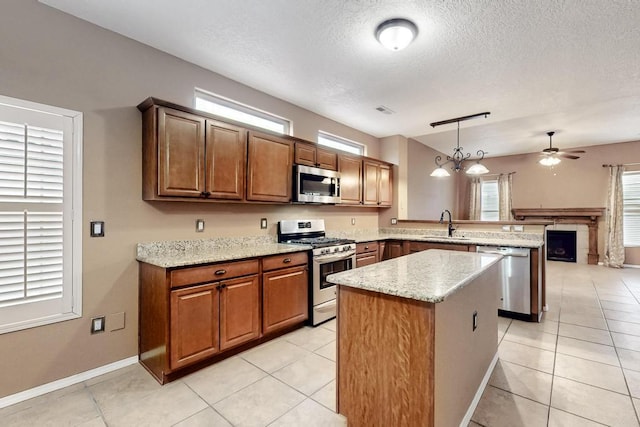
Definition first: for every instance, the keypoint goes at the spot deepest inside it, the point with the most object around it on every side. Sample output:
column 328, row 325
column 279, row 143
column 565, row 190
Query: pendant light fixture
column 459, row 157
column 396, row 34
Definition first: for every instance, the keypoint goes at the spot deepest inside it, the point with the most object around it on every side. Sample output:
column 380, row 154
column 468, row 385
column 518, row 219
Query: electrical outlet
column 353, row 221
column 475, row 320
column 394, row 221
column 506, row 228
column 97, row 325
column 199, row 225
column 518, row 228
column 97, row 229
column 263, row 223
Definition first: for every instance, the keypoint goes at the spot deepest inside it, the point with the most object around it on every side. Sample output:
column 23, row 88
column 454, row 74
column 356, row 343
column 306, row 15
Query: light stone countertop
column 179, row 253
column 429, row 276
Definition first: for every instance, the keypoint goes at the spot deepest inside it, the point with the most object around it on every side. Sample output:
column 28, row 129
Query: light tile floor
column 579, row 367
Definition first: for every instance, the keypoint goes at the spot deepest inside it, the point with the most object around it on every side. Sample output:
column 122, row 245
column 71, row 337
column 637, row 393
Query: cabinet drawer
column 366, row 247
column 211, row 273
column 284, row 260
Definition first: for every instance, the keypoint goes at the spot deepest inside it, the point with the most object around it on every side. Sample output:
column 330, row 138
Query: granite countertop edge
column 347, row 278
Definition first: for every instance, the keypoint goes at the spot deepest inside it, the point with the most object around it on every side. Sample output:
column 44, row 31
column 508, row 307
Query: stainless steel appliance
column 315, row 185
column 330, row 255
column 515, row 293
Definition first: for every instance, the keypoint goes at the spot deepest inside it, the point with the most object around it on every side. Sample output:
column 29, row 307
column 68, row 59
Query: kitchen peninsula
column 417, row 338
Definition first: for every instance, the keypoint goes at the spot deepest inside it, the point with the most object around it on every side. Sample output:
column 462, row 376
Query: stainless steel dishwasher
column 515, row 297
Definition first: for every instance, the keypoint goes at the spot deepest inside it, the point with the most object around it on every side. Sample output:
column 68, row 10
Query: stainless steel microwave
column 315, row 185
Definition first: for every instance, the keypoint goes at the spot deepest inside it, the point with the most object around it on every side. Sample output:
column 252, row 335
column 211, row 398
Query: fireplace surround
column 587, row 216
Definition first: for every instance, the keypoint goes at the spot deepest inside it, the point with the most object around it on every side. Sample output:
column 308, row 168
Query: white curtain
column 504, row 196
column 614, row 243
column 475, row 199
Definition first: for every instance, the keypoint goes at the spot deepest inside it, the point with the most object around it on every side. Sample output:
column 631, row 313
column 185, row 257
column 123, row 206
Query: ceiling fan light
column 477, row 169
column 396, row 34
column 440, row 172
column 549, row 161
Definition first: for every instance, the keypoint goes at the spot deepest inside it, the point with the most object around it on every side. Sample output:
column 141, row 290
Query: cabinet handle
column 220, row 272
column 286, row 260
column 205, row 194
column 223, row 286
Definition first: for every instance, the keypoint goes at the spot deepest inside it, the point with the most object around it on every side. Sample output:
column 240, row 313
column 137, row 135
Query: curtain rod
column 624, row 164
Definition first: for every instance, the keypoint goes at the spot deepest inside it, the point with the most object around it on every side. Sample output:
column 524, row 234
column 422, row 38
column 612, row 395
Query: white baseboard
column 65, row 382
column 476, row 399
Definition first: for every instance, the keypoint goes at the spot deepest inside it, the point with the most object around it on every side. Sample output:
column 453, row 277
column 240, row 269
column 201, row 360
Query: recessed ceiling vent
column 384, row 110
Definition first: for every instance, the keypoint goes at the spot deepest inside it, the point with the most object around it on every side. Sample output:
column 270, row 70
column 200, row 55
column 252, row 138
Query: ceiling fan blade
column 568, row 156
column 574, row 151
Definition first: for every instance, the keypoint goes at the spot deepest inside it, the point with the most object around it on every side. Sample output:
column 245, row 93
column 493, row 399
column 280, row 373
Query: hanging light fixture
column 459, row 157
column 396, row 34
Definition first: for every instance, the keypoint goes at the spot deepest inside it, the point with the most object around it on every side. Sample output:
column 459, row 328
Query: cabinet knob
column 223, row 286
column 220, row 272
column 286, row 260
column 205, row 194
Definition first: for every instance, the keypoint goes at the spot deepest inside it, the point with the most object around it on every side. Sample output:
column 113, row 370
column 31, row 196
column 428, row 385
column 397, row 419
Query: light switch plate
column 97, row 228
column 353, row 221
column 263, row 223
column 97, row 325
column 394, row 221
column 199, row 225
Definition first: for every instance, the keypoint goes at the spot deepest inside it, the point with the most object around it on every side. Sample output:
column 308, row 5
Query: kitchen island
column 417, row 338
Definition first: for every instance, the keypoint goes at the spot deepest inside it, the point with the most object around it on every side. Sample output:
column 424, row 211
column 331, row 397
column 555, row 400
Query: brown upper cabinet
column 377, row 183
column 269, row 168
column 186, row 155
column 350, row 168
column 312, row 155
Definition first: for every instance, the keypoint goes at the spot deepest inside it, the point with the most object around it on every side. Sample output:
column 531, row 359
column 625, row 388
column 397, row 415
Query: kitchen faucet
column 451, row 229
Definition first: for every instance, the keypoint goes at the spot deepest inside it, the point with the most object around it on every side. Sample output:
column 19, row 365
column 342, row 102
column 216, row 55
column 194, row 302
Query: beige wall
column 69, row 63
column 580, row 183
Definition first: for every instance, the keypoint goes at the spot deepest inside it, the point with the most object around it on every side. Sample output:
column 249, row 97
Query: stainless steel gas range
column 330, row 255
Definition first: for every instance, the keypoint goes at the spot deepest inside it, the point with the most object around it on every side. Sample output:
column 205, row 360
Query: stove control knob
column 346, row 248
column 336, row 249
column 324, row 251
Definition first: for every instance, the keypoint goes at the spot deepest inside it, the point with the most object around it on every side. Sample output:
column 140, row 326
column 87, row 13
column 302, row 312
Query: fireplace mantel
column 587, row 216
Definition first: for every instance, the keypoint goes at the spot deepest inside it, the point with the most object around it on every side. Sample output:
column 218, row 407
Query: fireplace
column 561, row 245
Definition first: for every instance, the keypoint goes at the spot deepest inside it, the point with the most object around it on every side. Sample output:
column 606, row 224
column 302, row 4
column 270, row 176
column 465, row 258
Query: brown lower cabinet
column 367, row 253
column 423, row 246
column 394, row 249
column 189, row 315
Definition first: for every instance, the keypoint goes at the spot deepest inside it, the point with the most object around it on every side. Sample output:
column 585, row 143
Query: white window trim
column 635, row 243
column 244, row 108
column 482, row 210
column 342, row 140
column 76, row 215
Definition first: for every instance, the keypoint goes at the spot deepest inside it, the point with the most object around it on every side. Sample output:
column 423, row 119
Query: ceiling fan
column 551, row 155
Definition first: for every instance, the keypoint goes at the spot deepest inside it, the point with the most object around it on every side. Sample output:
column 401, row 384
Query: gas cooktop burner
column 320, row 242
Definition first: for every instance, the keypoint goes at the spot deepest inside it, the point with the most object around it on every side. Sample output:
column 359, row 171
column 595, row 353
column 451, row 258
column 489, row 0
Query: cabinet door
column 193, row 324
column 393, row 249
column 350, row 179
column 270, row 168
column 226, row 155
column 180, row 153
column 305, row 154
column 326, row 159
column 371, row 178
column 284, row 298
column 385, row 185
column 239, row 311
column 367, row 259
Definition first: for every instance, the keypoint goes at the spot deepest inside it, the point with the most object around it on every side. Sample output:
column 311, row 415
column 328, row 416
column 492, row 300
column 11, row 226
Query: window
column 631, row 210
column 229, row 109
column 489, row 201
column 338, row 143
column 40, row 190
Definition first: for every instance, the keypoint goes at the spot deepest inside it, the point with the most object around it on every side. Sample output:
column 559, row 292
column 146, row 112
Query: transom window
column 40, row 214
column 340, row 143
column 223, row 107
column 631, row 210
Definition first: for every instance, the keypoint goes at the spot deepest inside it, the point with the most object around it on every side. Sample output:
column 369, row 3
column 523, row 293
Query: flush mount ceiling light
column 396, row 34
column 459, row 157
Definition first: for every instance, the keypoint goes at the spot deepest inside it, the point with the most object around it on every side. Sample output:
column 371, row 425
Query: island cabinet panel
column 194, row 324
column 181, row 145
column 239, row 311
column 350, row 168
column 226, row 158
column 269, row 168
column 390, row 384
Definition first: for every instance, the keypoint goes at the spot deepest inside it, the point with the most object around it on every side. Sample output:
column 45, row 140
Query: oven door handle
column 327, row 259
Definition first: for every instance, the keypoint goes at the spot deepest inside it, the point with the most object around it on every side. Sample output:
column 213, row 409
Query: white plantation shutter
column 489, row 204
column 631, row 211
column 39, row 193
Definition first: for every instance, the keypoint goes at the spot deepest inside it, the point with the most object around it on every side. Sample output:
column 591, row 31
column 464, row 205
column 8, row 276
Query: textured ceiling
column 572, row 66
